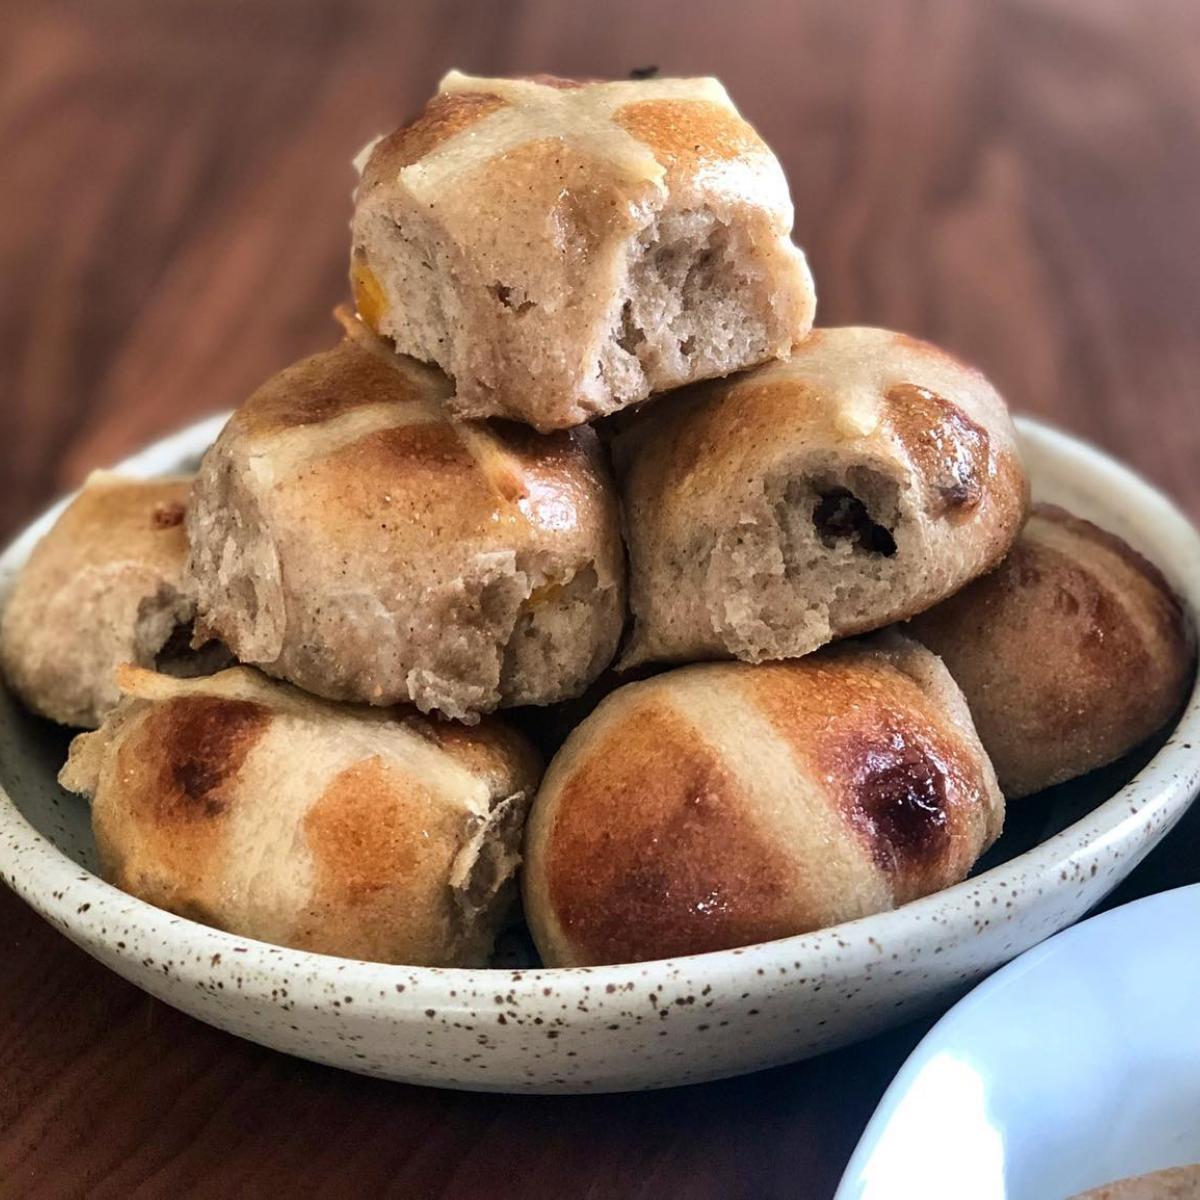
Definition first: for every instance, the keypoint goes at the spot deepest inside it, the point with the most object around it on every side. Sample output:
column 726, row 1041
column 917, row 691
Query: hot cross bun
column 863, row 480
column 566, row 248
column 348, row 536
column 723, row 804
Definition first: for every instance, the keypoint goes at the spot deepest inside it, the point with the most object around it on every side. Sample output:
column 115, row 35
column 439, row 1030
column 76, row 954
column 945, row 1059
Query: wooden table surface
column 1018, row 181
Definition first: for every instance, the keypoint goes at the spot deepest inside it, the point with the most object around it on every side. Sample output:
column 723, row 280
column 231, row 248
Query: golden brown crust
column 905, row 782
column 624, row 187
column 1165, row 605
column 439, row 486
column 950, row 450
column 369, row 828
column 704, row 435
column 680, row 870
column 543, row 175
column 689, row 136
column 328, row 385
column 446, row 114
column 852, row 486
column 179, row 771
column 1011, row 498
column 707, row 434
column 1070, row 653
column 360, row 832
column 138, row 512
column 490, row 750
column 345, row 482
column 204, row 742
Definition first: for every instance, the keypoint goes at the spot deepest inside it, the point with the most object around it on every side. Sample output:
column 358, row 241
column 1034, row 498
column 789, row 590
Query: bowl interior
column 32, row 751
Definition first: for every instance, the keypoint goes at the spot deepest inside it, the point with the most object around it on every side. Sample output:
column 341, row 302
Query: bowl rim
column 50, row 882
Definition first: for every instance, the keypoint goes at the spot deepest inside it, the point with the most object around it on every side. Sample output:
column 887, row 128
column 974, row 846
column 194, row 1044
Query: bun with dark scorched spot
column 725, row 804
column 248, row 805
column 866, row 478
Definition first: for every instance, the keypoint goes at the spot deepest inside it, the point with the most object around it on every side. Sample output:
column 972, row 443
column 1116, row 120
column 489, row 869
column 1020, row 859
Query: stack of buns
column 766, row 595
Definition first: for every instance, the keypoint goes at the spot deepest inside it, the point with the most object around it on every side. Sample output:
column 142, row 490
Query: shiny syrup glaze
column 685, row 869
column 892, row 763
column 898, row 801
column 949, row 449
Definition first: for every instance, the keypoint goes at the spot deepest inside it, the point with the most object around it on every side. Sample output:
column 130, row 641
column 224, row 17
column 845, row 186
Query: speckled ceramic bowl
column 647, row 1024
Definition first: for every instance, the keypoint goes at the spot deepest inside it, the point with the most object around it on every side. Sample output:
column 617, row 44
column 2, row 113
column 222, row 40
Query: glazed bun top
column 349, row 536
column 565, row 248
column 661, row 133
column 843, row 389
column 342, row 430
column 857, row 483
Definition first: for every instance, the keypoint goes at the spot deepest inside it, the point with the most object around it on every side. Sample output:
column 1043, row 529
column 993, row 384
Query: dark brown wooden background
column 1019, row 181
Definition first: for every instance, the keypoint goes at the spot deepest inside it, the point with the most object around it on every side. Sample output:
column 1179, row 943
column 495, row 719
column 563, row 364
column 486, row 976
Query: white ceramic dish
column 641, row 1025
column 1076, row 1065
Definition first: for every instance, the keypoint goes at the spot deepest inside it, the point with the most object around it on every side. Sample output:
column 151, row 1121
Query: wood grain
column 1015, row 180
